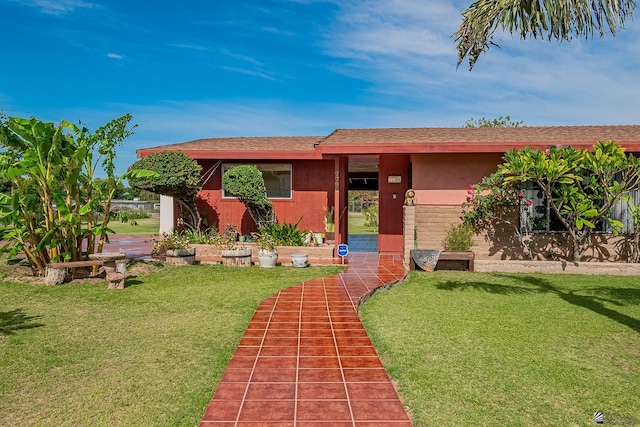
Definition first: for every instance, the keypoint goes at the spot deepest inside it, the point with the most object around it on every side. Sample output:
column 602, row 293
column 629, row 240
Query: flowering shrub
column 175, row 240
column 580, row 186
column 182, row 240
column 493, row 201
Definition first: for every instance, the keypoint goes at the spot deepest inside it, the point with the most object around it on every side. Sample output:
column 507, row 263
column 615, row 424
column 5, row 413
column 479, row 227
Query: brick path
column 306, row 360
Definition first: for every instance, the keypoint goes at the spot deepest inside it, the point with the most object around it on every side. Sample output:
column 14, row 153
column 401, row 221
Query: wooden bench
column 425, row 258
column 57, row 271
column 467, row 256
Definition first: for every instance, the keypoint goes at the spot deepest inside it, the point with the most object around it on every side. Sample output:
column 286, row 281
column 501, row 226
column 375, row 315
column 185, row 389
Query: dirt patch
column 19, row 272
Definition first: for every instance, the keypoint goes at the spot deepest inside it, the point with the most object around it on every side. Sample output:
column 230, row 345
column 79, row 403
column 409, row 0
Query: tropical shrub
column 56, row 210
column 371, row 216
column 177, row 176
column 459, row 237
column 581, row 187
column 245, row 182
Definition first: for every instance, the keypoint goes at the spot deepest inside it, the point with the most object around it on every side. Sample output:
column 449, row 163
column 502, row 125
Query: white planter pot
column 267, row 258
column 300, row 260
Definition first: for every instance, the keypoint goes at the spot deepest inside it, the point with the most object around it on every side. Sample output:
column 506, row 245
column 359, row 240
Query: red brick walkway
column 306, row 360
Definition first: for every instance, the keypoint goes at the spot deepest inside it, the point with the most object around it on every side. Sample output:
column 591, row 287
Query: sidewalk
column 306, row 360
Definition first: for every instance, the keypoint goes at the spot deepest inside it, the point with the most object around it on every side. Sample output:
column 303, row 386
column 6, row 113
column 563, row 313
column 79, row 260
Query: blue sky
column 194, row 69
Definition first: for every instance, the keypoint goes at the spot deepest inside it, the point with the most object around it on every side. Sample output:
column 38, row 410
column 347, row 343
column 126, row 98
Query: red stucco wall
column 312, row 190
column 391, row 200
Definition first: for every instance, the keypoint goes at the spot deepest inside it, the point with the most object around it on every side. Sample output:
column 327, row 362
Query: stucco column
column 409, row 224
column 341, row 198
column 167, row 215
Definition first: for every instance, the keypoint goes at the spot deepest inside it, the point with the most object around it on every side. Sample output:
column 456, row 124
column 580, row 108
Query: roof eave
column 456, row 147
column 237, row 154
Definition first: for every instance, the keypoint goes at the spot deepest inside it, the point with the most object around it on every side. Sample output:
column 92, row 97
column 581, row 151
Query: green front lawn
column 471, row 349
column 465, row 348
column 143, row 227
column 356, row 225
column 148, row 355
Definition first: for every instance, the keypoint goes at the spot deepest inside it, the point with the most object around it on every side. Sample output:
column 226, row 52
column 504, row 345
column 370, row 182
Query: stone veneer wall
column 432, row 222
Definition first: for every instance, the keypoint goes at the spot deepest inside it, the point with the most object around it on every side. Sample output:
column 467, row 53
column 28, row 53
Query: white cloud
column 58, row 7
column 404, row 49
column 115, row 56
column 188, row 46
column 261, row 74
column 393, row 28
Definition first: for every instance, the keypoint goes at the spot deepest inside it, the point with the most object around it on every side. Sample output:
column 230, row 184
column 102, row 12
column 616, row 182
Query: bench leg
column 116, row 275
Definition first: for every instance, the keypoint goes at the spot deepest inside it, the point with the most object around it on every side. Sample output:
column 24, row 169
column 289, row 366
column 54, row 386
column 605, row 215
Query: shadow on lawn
column 595, row 303
column 12, row 321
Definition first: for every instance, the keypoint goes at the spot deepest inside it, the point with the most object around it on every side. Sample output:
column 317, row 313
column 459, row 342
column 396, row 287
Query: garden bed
column 322, row 254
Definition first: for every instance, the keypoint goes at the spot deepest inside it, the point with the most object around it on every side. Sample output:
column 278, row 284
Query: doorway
column 362, row 223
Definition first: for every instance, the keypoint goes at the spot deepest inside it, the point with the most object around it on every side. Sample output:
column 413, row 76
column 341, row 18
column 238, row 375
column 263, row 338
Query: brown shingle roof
column 473, row 140
column 249, row 143
column 531, row 134
column 403, row 140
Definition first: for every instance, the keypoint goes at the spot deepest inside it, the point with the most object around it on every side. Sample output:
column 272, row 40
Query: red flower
column 528, row 202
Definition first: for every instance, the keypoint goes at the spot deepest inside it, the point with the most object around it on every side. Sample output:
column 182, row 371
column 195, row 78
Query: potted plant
column 459, row 237
column 457, row 244
column 233, row 254
column 267, row 252
column 176, row 249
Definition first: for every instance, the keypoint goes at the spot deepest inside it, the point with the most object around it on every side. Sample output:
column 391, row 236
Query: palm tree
column 546, row 19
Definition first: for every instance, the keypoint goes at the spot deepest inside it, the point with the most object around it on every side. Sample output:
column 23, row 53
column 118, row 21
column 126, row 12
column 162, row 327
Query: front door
column 393, row 182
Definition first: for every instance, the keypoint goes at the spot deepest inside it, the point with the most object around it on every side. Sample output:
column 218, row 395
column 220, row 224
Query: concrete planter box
column 236, row 257
column 180, row 256
column 181, row 252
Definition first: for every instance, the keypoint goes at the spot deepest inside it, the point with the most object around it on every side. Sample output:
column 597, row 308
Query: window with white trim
column 277, row 178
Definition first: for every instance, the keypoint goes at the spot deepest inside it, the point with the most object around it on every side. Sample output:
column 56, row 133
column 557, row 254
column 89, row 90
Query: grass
column 465, row 348
column 356, row 225
column 144, row 227
column 511, row 349
column 149, row 355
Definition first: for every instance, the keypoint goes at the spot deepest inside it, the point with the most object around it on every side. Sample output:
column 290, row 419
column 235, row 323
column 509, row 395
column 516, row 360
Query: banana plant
column 53, row 205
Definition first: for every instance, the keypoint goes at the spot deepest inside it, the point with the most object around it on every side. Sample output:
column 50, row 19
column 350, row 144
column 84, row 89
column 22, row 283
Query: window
column 536, row 213
column 621, row 211
column 277, row 179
